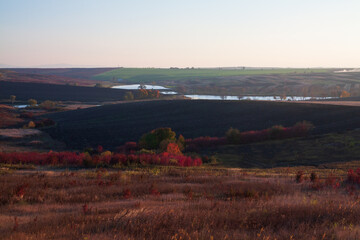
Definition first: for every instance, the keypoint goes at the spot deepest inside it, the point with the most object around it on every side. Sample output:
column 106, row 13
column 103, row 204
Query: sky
column 187, row 33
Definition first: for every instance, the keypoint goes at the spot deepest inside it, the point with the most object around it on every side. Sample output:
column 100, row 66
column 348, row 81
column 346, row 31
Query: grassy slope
column 113, row 125
column 156, row 74
column 311, row 151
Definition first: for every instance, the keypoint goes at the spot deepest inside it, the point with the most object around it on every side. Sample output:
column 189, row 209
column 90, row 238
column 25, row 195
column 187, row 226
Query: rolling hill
column 113, row 125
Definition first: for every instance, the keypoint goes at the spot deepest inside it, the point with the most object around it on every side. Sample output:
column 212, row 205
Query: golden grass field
column 178, row 203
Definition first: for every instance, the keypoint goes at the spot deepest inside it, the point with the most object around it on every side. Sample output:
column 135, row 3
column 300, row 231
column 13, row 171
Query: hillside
column 38, row 76
column 78, row 73
column 112, row 125
column 41, row 92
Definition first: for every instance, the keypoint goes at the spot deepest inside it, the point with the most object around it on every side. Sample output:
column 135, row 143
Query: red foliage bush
column 353, row 177
column 234, row 136
column 127, row 193
column 173, row 148
column 82, row 159
column 300, row 129
column 299, row 176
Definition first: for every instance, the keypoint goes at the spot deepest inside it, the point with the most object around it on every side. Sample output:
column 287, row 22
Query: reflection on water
column 169, row 92
column 218, row 97
column 259, row 98
column 136, row 86
column 21, row 106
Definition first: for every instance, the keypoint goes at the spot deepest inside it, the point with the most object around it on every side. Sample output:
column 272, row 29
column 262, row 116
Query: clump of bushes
column 40, row 123
column 301, row 129
column 105, row 158
column 353, row 177
column 162, row 140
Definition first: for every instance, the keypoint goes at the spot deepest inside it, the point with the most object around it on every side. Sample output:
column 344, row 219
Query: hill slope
column 113, row 125
column 40, row 92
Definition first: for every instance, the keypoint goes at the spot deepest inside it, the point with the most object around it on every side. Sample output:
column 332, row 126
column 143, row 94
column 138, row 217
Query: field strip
column 337, row 103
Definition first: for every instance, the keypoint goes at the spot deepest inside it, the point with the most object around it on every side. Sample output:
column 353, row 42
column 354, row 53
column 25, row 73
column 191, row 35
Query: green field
column 148, row 75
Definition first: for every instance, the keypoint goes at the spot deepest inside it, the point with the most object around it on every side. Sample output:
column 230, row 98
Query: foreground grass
column 177, row 203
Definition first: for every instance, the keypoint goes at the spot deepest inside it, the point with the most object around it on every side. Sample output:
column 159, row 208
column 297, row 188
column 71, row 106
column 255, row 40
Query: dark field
column 12, row 76
column 310, row 151
column 79, row 73
column 112, row 125
column 41, row 92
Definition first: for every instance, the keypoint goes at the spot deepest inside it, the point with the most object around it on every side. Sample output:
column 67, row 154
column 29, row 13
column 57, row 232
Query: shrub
column 153, row 139
column 31, row 124
column 181, row 142
column 233, row 135
column 353, row 177
column 301, row 129
column 128, row 96
column 314, row 177
column 32, row 102
column 276, row 132
column 299, row 176
column 26, row 115
column 48, row 105
column 87, row 160
column 100, row 149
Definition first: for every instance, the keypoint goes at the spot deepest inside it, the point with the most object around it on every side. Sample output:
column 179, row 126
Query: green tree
column 153, row 139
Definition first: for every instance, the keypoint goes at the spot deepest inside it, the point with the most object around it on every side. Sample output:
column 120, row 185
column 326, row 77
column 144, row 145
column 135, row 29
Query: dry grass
column 173, row 203
column 18, row 132
column 8, row 116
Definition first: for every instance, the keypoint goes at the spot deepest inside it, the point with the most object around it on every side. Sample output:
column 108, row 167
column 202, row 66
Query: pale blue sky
column 165, row 33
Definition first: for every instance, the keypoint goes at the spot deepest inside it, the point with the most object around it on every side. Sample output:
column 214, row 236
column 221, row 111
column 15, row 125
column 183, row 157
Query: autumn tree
column 128, row 96
column 12, row 98
column 32, row 102
column 181, row 142
column 48, row 105
column 173, row 148
column 344, row 94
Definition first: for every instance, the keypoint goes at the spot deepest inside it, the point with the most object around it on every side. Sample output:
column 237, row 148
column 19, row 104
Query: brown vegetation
column 172, row 203
column 8, row 116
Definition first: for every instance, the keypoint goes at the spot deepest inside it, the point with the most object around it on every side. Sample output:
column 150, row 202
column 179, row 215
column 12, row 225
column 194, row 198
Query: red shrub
column 173, row 148
column 299, row 176
column 127, row 193
column 352, row 177
column 81, row 159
